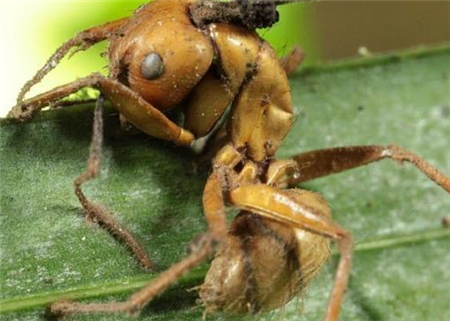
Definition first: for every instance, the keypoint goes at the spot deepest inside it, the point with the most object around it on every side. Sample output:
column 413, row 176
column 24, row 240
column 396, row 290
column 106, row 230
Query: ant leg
column 138, row 300
column 286, row 206
column 96, row 212
column 142, row 114
column 81, row 41
column 201, row 249
column 66, row 103
column 446, row 221
column 293, row 60
column 325, row 162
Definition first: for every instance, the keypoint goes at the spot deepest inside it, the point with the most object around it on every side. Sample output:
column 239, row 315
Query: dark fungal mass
column 258, row 13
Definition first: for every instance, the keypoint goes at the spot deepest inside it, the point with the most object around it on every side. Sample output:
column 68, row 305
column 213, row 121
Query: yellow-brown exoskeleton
column 204, row 58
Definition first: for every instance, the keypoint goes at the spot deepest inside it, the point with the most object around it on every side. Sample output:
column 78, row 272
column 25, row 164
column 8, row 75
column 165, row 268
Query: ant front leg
column 139, row 112
column 201, row 249
column 325, row 162
column 81, row 41
column 289, row 207
column 96, row 212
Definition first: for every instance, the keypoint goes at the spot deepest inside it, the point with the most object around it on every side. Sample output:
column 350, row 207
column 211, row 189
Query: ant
column 202, row 57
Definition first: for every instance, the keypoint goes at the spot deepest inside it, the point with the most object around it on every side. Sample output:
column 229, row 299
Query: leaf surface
column 401, row 267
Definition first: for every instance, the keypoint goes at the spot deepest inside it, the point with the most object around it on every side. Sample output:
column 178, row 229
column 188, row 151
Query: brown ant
column 205, row 56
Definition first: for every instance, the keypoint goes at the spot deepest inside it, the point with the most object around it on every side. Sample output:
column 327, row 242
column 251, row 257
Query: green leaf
column 401, row 267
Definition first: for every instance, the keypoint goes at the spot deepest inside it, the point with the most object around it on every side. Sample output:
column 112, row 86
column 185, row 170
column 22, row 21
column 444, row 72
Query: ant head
column 163, row 57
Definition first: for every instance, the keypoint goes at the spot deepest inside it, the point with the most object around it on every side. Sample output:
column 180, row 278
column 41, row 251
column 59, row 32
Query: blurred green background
column 31, row 30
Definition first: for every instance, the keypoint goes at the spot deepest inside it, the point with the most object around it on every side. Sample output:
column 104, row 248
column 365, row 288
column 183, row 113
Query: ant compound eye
column 152, row 66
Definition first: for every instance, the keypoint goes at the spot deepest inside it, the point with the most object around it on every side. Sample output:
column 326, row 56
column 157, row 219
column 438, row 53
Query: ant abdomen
column 263, row 264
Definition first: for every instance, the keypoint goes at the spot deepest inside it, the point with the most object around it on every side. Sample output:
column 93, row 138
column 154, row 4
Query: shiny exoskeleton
column 204, row 59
